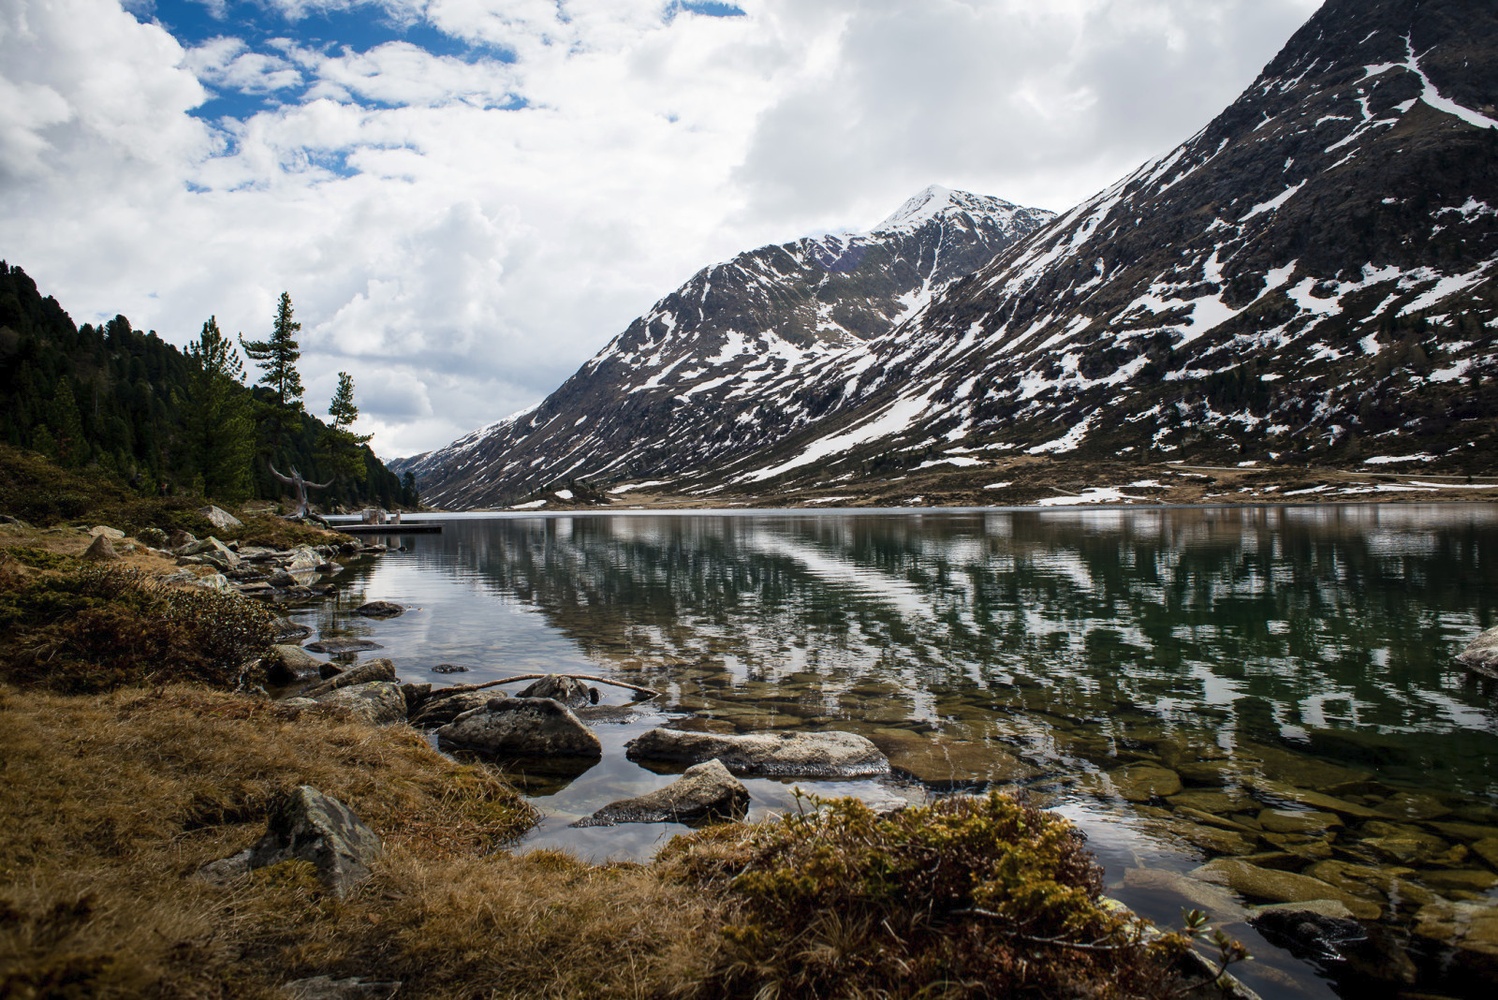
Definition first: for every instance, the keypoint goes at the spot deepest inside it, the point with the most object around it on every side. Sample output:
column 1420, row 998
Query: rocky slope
column 692, row 380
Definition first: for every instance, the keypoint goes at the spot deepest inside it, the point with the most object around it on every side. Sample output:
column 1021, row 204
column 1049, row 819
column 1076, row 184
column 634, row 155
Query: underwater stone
column 800, row 755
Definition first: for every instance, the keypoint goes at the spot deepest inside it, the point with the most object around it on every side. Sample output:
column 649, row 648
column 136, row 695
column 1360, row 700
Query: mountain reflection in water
column 1247, row 652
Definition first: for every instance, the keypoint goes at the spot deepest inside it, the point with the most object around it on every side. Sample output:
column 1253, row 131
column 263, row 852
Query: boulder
column 1481, row 654
column 782, row 754
column 286, row 664
column 104, row 531
column 568, row 691
column 1319, row 929
column 219, row 518
column 307, row 825
column 380, row 609
column 362, row 673
column 377, row 702
column 1468, row 927
column 328, row 988
column 288, row 631
column 415, row 695
column 336, row 647
column 705, row 793
column 1275, row 886
column 449, row 668
column 101, row 549
column 214, row 581
column 521, row 727
column 180, row 539
column 1143, row 782
column 154, row 537
column 302, row 559
column 441, row 709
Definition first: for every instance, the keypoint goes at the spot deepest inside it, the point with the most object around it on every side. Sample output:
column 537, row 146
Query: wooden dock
column 405, row 528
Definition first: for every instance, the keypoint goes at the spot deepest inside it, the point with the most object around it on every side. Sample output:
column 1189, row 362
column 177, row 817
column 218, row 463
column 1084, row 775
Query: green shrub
column 964, row 897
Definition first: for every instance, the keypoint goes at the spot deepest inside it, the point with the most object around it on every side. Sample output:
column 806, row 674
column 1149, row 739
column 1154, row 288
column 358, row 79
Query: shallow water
column 1248, row 652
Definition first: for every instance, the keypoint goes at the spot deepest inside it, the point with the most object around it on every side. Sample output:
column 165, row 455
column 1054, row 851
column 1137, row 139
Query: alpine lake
column 1269, row 692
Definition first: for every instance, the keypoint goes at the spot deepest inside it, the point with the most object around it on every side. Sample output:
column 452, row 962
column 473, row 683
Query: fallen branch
column 645, row 693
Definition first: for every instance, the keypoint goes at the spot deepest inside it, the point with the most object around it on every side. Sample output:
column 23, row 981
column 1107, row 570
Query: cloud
column 465, row 213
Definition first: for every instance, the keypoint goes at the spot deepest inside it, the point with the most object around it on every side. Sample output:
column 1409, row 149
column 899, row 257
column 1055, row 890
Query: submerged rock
column 706, row 792
column 336, row 647
column 789, row 755
column 939, row 762
column 1470, row 929
column 1143, row 782
column 564, row 690
column 307, row 825
column 526, row 727
column 380, row 609
column 1275, row 886
column 1481, row 654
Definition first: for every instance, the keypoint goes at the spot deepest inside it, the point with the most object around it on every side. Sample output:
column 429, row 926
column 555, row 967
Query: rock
column 328, row 988
column 567, row 691
column 1214, row 802
column 219, row 518
column 1222, row 905
column 1297, row 821
column 288, row 631
column 1487, row 849
column 524, row 727
column 1318, row 929
column 1470, row 928
column 415, row 695
column 1307, row 846
column 1405, row 845
column 179, row 539
column 1413, row 805
column 307, row 825
column 781, row 754
column 449, row 668
column 104, row 531
column 1142, row 782
column 214, row 581
column 286, row 664
column 705, row 793
column 1481, row 654
column 101, row 549
column 1461, row 879
column 1274, row 886
column 154, row 537
column 335, row 647
column 1213, row 839
column 281, row 578
column 302, row 559
column 378, row 703
column 363, row 673
column 1316, row 800
column 329, row 670
column 441, row 709
column 939, row 762
column 380, row 609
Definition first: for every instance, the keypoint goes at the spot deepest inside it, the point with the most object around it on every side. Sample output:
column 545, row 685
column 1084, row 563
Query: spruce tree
column 277, row 357
column 341, row 447
column 220, row 430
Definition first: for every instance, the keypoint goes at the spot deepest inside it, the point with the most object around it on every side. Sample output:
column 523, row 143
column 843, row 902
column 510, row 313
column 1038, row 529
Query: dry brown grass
column 112, row 803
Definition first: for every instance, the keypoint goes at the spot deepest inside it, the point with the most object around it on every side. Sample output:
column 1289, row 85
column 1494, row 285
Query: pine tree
column 341, row 447
column 220, row 429
column 277, row 357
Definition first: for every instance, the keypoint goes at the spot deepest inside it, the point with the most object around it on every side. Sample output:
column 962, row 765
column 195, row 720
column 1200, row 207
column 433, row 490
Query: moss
column 965, row 897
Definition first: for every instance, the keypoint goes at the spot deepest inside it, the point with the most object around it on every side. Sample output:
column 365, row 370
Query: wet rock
column 780, row 754
column 1462, row 879
column 1318, row 929
column 337, row 647
column 1223, row 906
column 1311, row 848
column 416, row 695
column 449, row 668
column 1210, row 819
column 101, row 549
column 1481, row 654
column 307, row 825
column 378, row 703
column 287, row 631
column 707, row 792
column 363, row 673
column 441, row 709
column 328, row 988
column 380, row 609
column 1487, row 849
column 526, row 727
column 1313, row 799
column 1297, row 821
column 1413, row 805
column 1215, row 802
column 1405, row 845
column 219, row 518
column 1471, row 929
column 1214, row 840
column 564, row 690
column 1143, row 782
column 287, row 664
column 1274, row 886
column 939, row 762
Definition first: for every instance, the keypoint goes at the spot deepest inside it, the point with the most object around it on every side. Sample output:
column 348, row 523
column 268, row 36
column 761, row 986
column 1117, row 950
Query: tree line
column 166, row 420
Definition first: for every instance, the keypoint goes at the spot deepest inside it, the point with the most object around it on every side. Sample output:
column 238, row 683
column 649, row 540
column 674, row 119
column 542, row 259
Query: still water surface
column 1247, row 652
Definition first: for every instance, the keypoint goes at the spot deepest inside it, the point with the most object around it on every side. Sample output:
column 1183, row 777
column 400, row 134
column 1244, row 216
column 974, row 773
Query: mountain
column 689, row 382
column 1307, row 281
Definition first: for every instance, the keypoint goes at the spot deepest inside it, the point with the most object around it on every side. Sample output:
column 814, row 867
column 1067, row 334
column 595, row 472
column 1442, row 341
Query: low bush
column 967, row 897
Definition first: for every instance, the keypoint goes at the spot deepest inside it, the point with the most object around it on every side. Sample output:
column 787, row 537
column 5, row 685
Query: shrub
column 964, row 897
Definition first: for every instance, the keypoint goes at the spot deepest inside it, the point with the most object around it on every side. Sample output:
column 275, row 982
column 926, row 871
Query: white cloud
column 460, row 259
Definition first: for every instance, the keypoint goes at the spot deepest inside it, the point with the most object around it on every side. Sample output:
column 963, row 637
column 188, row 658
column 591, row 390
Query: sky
column 467, row 199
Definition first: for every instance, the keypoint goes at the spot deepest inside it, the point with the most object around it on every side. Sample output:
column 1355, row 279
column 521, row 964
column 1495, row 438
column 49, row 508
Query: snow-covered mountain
column 687, row 384
column 1308, row 279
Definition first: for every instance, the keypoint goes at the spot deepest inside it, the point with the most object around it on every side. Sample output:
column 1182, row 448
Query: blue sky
column 466, row 199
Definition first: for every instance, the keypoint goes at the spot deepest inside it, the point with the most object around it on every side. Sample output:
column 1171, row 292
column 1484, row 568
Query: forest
column 167, row 421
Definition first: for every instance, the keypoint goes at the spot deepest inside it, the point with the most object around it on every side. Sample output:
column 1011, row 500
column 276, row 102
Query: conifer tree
column 342, row 448
column 220, row 430
column 277, row 357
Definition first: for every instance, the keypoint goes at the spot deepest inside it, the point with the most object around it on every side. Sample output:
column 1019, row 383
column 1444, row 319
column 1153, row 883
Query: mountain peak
column 935, row 201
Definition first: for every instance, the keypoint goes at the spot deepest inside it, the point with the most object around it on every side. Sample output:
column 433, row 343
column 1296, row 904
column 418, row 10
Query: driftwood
column 643, row 693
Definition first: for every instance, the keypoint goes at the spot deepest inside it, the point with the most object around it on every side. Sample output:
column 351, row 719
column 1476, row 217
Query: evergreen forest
column 167, row 421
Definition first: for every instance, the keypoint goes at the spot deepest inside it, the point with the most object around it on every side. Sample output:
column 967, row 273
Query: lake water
column 1160, row 676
